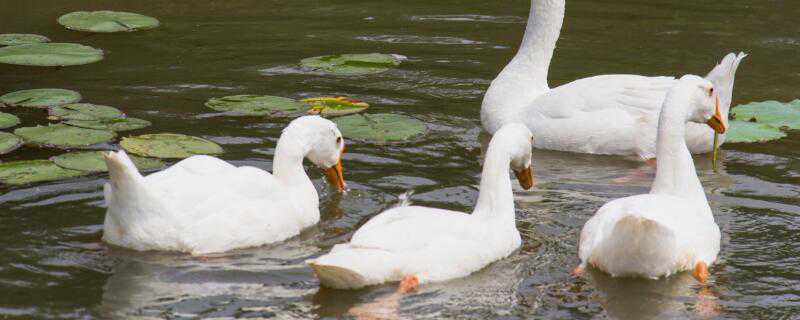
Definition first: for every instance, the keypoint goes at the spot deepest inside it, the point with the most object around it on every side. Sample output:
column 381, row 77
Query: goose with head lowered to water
column 415, row 244
column 671, row 229
column 206, row 205
column 607, row 114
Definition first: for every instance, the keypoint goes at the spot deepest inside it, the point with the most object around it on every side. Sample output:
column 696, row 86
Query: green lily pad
column 748, row 132
column 335, row 106
column 50, row 54
column 107, row 21
column 30, row 171
column 9, row 142
column 84, row 111
column 40, row 98
column 169, row 146
column 13, row 39
column 63, row 136
column 353, row 64
column 381, row 127
column 118, row 124
column 94, row 161
column 252, row 105
column 8, row 120
column 773, row 113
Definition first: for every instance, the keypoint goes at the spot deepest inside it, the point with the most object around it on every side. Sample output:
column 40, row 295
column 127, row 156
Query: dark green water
column 52, row 264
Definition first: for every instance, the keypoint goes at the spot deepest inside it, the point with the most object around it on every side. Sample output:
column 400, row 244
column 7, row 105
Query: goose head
column 704, row 105
column 518, row 141
column 325, row 146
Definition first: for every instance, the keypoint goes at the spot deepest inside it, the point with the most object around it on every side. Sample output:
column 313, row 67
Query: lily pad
column 773, row 113
column 748, row 132
column 30, row 171
column 169, row 146
column 9, row 142
column 40, row 98
column 8, row 120
column 107, row 21
column 84, row 111
column 50, row 54
column 118, row 124
column 381, row 127
column 353, row 64
column 335, row 106
column 253, row 105
column 13, row 39
column 63, row 136
column 93, row 161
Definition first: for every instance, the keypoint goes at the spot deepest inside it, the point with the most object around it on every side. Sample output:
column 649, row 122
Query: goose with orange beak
column 205, row 205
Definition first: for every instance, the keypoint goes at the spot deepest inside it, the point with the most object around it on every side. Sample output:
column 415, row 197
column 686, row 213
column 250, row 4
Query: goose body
column 434, row 244
column 607, row 114
column 204, row 205
column 672, row 228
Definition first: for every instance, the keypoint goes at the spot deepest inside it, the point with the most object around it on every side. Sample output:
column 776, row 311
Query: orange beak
column 525, row 177
column 334, row 174
column 716, row 120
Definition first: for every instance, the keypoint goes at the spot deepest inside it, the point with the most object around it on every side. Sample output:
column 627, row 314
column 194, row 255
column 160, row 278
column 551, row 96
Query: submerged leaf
column 84, row 111
column 40, row 98
column 353, row 64
column 63, row 136
column 118, row 124
column 253, row 105
column 94, row 161
column 107, row 21
column 747, row 132
column 381, row 128
column 8, row 120
column 773, row 113
column 24, row 172
column 9, row 142
column 169, row 146
column 50, row 54
column 335, row 106
column 13, row 39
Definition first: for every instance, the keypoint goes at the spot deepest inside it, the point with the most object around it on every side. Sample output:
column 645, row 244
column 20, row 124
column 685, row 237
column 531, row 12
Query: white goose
column 608, row 114
column 419, row 244
column 672, row 228
column 204, row 205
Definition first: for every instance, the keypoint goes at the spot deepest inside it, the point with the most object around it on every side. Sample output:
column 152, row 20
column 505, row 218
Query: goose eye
column 338, row 140
column 711, row 92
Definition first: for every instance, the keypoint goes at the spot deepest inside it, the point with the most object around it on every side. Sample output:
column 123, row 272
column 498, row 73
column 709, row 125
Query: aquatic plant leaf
column 9, row 142
column 107, row 21
column 30, row 171
column 94, row 161
column 8, row 120
column 748, row 132
column 118, row 124
column 63, row 136
column 40, row 98
column 253, row 105
column 335, row 106
column 773, row 113
column 13, row 39
column 169, row 146
column 84, row 111
column 381, row 127
column 50, row 54
column 353, row 64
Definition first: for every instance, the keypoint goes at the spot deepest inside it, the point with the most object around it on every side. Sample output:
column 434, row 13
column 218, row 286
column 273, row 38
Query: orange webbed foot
column 577, row 272
column 408, row 284
column 700, row 272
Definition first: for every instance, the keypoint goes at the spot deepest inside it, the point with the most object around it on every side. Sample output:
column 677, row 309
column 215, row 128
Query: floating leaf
column 24, row 172
column 9, row 142
column 773, row 113
column 50, row 54
column 382, row 127
column 107, row 21
column 64, row 136
column 253, row 105
column 747, row 132
column 8, row 120
column 353, row 64
column 118, row 124
column 84, row 111
column 335, row 106
column 13, row 39
column 169, row 146
column 94, row 161
column 40, row 98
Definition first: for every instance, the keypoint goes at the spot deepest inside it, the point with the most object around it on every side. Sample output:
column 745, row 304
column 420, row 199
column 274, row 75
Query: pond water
column 53, row 265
